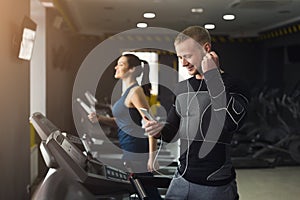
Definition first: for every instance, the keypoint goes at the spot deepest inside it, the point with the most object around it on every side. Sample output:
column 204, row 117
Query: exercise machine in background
column 270, row 136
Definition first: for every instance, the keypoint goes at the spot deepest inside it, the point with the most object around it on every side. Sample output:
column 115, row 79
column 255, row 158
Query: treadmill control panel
column 115, row 174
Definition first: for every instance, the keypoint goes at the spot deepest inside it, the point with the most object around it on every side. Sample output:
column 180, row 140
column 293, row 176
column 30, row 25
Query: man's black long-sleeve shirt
column 204, row 116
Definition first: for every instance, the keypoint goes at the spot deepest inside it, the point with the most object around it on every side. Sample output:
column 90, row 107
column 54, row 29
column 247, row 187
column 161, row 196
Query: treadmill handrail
column 48, row 156
column 42, row 125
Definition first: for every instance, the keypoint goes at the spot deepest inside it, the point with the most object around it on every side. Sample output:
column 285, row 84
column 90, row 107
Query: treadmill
column 61, row 155
column 90, row 176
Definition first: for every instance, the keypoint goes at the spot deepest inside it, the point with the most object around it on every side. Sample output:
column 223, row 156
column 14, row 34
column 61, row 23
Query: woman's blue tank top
column 130, row 133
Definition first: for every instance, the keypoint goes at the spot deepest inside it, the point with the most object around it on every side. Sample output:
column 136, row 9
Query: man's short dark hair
column 198, row 33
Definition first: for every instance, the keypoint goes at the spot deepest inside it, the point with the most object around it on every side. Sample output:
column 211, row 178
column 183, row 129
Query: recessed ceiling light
column 197, row 10
column 209, row 26
column 141, row 25
column 149, row 15
column 48, row 4
column 228, row 17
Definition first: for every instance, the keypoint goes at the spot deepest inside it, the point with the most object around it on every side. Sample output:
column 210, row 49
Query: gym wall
column 14, row 89
column 66, row 51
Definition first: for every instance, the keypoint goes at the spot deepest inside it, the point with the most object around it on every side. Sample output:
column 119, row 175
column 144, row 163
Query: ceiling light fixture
column 149, row 15
column 47, row 3
column 209, row 26
column 228, row 17
column 197, row 10
column 141, row 25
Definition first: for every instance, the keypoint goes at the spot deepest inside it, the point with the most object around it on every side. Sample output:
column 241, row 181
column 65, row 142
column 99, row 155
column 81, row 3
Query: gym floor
column 279, row 183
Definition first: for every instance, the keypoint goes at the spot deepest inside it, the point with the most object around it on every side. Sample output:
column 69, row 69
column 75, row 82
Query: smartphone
column 147, row 114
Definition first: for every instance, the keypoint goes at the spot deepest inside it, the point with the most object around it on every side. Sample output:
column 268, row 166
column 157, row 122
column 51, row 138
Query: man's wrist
column 214, row 82
column 211, row 74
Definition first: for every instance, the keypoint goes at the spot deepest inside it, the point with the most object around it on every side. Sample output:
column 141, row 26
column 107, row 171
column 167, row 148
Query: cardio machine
column 75, row 175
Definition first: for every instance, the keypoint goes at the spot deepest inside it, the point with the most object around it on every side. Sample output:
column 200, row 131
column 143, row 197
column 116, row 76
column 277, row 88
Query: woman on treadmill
column 138, row 149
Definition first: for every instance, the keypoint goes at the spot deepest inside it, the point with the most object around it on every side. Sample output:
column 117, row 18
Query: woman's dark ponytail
column 134, row 61
column 146, row 85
